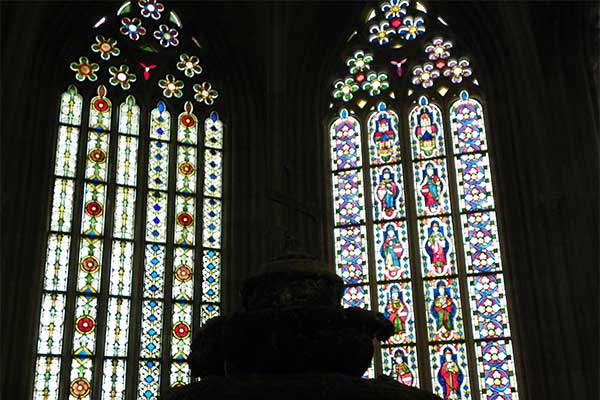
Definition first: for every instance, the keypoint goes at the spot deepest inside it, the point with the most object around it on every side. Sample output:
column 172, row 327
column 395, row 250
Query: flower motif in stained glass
column 171, row 86
column 84, row 324
column 456, row 70
column 183, row 273
column 189, row 65
column 184, row 219
column 93, row 208
column 80, row 388
column 411, row 27
column 394, row 10
column 344, row 89
column 84, row 69
column 166, row 36
column 121, row 76
column 424, row 75
column 90, row 264
column 106, row 47
column 359, row 62
column 186, row 169
column 151, row 8
column 181, row 330
column 204, row 93
column 132, row 27
column 376, row 83
column 381, row 32
column 438, row 49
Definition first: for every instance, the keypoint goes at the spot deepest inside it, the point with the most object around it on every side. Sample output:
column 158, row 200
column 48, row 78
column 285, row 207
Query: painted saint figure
column 450, row 376
column 384, row 138
column 437, row 247
column 443, row 310
column 387, row 192
column 400, row 369
column 426, row 132
column 431, row 188
column 391, row 250
column 396, row 311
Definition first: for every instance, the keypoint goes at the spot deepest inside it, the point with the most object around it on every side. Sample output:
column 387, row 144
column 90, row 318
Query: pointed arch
column 133, row 254
column 425, row 244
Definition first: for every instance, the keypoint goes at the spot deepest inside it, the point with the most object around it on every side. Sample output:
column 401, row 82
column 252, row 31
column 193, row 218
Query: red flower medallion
column 186, row 168
column 396, row 22
column 187, row 121
column 360, row 77
column 184, row 219
column 181, row 330
column 101, row 105
column 85, row 324
column 89, row 264
column 93, row 208
column 183, row 273
column 440, row 64
column 79, row 387
column 97, row 156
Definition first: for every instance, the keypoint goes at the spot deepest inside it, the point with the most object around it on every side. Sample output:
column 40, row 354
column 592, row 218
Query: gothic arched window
column 415, row 227
column 134, row 242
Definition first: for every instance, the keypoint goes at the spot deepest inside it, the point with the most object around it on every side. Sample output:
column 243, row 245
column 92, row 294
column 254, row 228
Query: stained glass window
column 415, row 231
column 133, row 255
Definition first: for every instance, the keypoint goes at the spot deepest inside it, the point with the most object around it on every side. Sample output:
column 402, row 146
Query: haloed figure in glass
column 384, row 138
column 400, row 370
column 387, row 192
column 426, row 132
column 391, row 251
column 450, row 376
column 431, row 188
column 443, row 310
column 437, row 247
column 396, row 311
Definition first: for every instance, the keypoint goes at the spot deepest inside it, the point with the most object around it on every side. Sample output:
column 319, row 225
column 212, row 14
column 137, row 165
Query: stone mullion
column 168, row 303
column 102, row 295
column 137, row 273
column 198, row 266
column 412, row 221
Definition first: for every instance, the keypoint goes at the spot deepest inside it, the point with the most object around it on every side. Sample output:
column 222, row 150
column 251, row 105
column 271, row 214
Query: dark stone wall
column 537, row 63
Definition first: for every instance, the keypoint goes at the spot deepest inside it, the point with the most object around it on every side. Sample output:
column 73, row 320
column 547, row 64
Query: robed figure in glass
column 437, row 247
column 443, row 310
column 391, row 251
column 387, row 192
column 431, row 188
column 400, row 369
column 396, row 310
column 450, row 376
